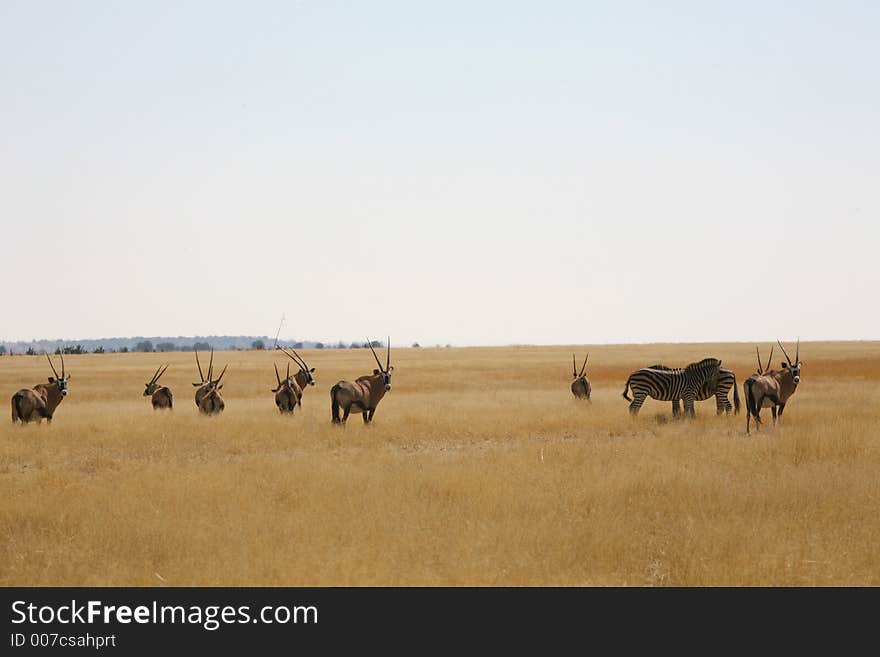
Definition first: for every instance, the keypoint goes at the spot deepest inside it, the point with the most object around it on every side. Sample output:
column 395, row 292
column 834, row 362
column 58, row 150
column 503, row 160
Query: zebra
column 671, row 385
column 726, row 381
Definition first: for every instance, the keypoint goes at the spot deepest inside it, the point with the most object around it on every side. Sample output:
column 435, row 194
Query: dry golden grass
column 479, row 469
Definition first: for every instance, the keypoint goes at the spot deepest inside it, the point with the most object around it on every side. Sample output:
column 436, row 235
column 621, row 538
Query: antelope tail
column 626, row 387
column 751, row 406
column 735, row 397
column 750, row 397
column 16, row 408
column 334, row 405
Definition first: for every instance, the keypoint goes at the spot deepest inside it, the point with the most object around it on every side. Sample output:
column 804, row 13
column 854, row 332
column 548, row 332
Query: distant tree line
column 165, row 344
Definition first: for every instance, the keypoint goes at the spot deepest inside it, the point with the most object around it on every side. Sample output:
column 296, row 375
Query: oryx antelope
column 364, row 394
column 671, row 385
column 34, row 404
column 208, row 398
column 161, row 395
column 726, row 381
column 772, row 388
column 303, row 376
column 288, row 393
column 580, row 387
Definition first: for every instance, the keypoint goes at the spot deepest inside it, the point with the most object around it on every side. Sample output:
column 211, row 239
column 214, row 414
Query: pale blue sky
column 455, row 172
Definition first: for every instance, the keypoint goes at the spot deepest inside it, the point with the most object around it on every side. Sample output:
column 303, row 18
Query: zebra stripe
column 726, row 381
column 671, row 385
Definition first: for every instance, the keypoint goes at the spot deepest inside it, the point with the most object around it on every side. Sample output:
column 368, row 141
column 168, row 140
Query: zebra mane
column 703, row 364
column 660, row 367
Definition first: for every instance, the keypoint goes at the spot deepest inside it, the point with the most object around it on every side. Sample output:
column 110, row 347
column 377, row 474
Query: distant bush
column 166, row 346
column 319, row 345
column 202, row 346
column 416, row 345
column 259, row 345
column 98, row 350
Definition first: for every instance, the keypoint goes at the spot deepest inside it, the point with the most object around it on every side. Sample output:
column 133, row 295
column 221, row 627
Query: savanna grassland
column 480, row 468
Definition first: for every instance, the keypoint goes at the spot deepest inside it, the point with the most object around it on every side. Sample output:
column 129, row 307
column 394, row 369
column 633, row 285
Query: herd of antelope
column 766, row 388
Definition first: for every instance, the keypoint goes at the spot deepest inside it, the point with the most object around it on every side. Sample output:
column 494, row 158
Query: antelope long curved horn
column 160, row 374
column 574, row 367
column 278, row 376
column 155, row 375
column 62, row 363
column 223, row 371
column 785, row 352
column 770, row 359
column 758, row 354
column 211, row 365
column 370, row 345
column 797, row 352
column 584, row 366
column 199, row 365
column 54, row 371
column 387, row 358
column 295, row 357
column 288, row 372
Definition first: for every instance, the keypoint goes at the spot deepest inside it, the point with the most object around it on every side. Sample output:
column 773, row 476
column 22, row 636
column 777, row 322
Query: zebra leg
column 638, row 400
column 688, row 400
column 721, row 405
column 676, row 409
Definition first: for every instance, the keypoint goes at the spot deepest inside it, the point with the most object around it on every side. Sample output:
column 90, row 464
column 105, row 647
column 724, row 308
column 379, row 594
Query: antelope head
column 795, row 367
column 60, row 380
column 765, row 368
column 305, row 369
column 385, row 372
column 574, row 371
column 153, row 385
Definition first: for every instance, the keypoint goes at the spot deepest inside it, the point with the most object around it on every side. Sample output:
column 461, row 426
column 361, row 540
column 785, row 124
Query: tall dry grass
column 480, row 468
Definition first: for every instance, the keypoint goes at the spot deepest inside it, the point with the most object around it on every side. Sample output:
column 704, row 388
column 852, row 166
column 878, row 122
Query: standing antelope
column 288, row 394
column 303, row 377
column 364, row 394
column 718, row 389
column 208, row 399
column 161, row 395
column 580, row 387
column 34, row 404
column 772, row 387
column 671, row 385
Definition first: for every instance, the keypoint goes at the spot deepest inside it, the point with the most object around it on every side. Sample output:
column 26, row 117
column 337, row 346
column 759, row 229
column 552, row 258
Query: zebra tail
column 735, row 397
column 626, row 387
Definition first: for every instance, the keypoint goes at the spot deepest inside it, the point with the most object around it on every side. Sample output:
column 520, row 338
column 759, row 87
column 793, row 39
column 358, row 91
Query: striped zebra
column 726, row 381
column 671, row 385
